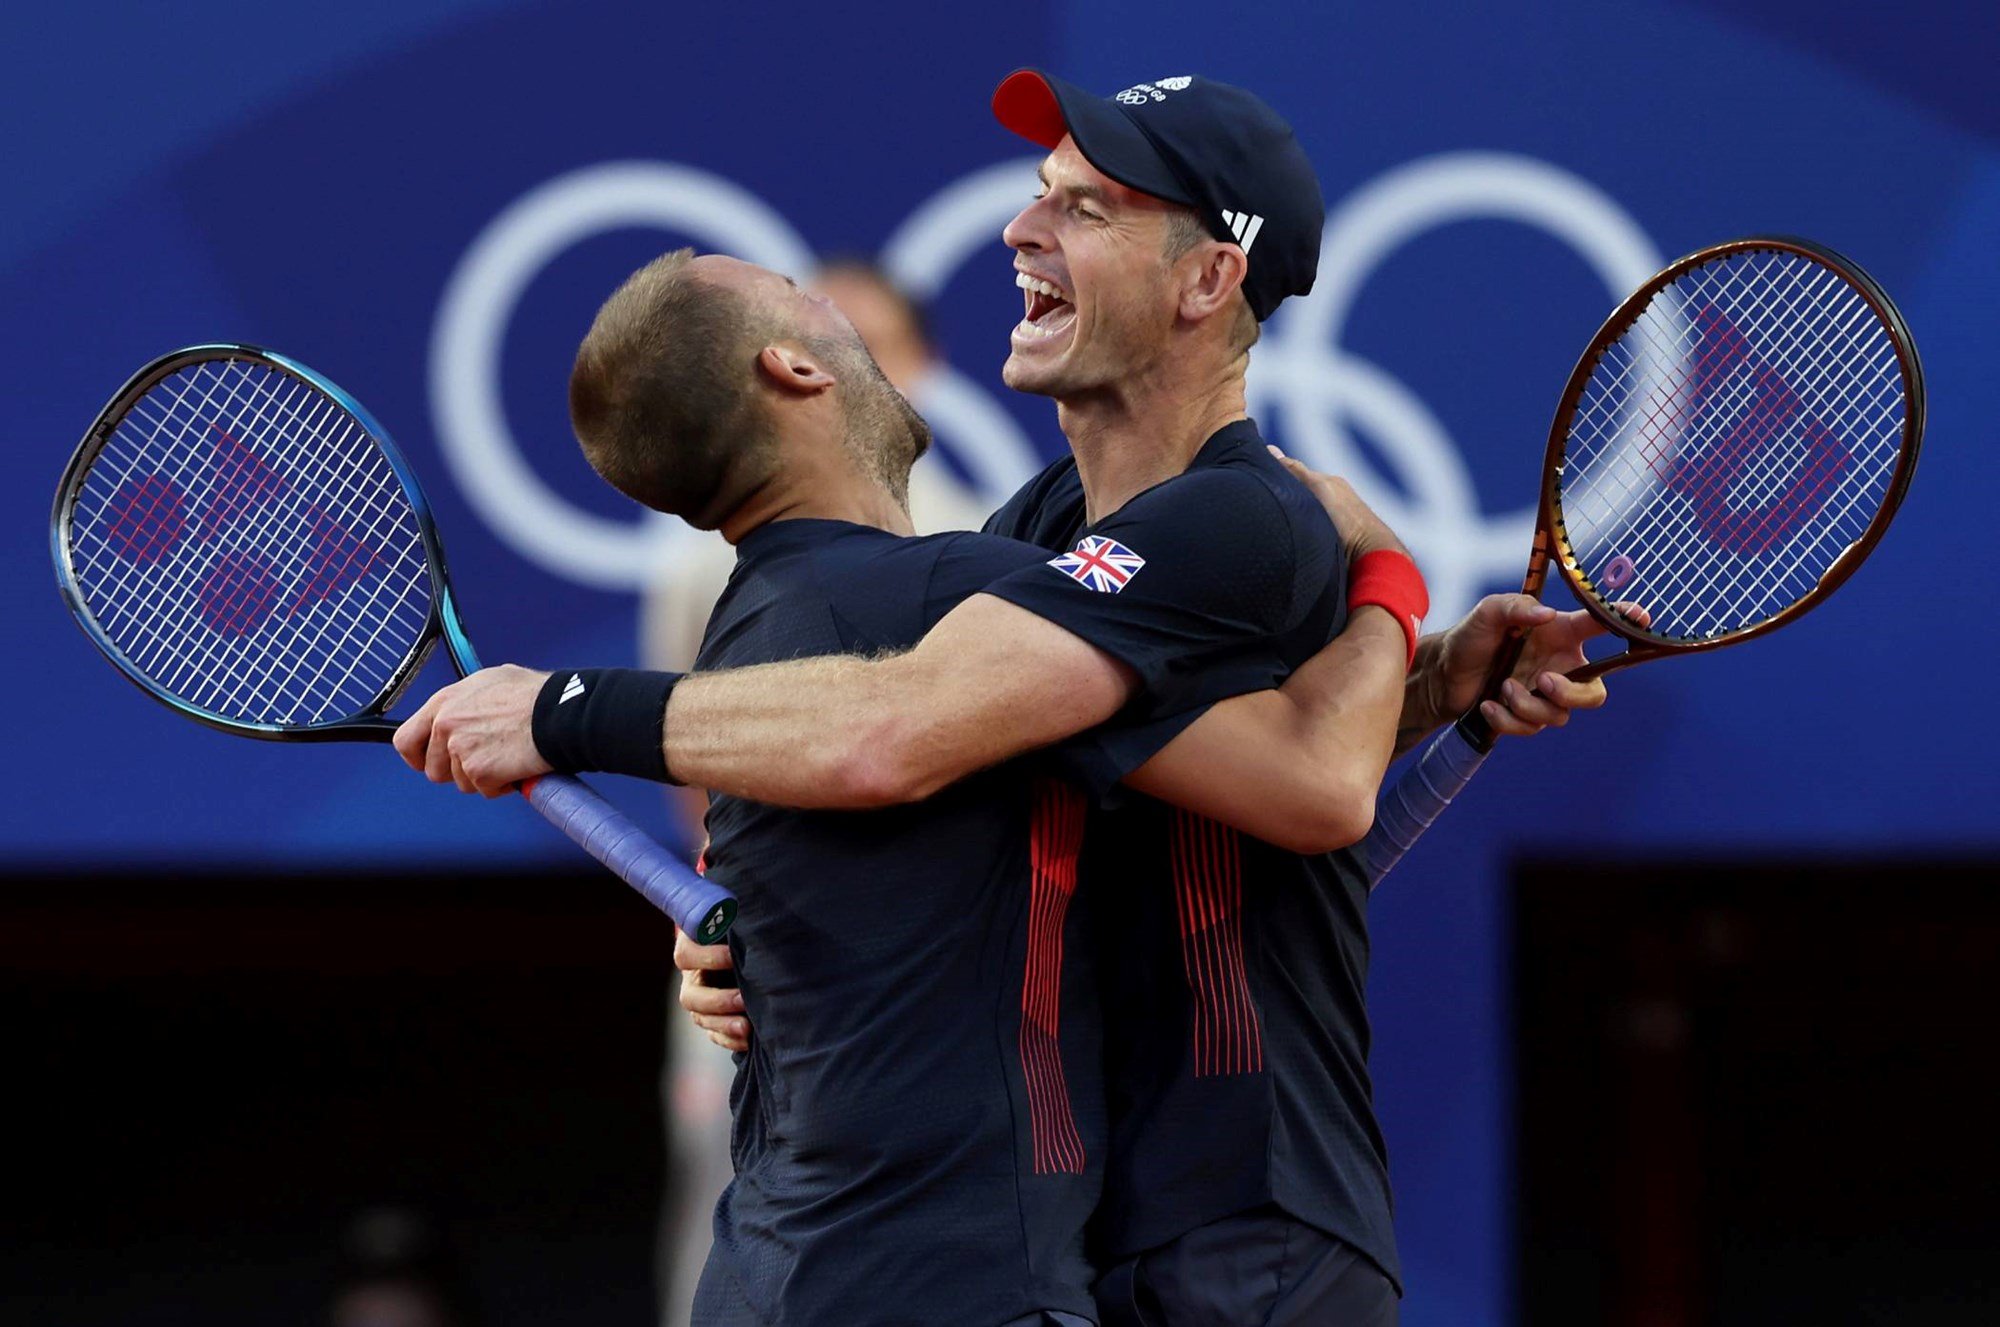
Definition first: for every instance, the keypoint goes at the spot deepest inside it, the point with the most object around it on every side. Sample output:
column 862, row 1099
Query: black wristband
column 606, row 719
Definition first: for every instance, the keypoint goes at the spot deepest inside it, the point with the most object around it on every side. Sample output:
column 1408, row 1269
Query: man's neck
column 1128, row 440
column 819, row 494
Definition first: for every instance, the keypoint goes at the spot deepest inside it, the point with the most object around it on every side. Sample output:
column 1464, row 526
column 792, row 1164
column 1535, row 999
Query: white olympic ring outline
column 469, row 411
column 1299, row 365
column 1301, row 383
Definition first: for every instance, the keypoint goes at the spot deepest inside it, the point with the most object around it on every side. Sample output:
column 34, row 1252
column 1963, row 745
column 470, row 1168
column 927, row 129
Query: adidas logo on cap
column 1244, row 227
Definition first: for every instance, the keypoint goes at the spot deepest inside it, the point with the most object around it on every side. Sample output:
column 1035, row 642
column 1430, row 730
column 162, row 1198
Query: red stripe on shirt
column 1208, row 895
column 1055, row 836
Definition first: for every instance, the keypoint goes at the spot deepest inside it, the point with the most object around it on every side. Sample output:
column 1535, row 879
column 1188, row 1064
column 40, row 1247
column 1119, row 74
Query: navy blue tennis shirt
column 1233, row 973
column 920, row 1124
column 918, row 1128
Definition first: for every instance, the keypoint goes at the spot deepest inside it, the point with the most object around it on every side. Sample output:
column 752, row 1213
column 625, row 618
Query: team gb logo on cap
column 1100, row 563
column 1141, row 93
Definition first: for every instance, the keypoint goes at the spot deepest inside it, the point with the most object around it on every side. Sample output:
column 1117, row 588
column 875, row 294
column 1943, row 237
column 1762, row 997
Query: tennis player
column 1248, row 1168
column 1247, row 1180
column 923, row 1109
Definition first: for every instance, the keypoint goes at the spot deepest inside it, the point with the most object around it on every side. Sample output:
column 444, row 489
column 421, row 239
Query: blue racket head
column 246, row 544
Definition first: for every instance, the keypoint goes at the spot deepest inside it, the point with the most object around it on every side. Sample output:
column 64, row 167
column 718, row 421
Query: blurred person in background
column 694, row 1084
column 397, row 1271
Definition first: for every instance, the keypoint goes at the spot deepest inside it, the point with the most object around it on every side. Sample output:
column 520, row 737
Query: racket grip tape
column 1417, row 799
column 701, row 908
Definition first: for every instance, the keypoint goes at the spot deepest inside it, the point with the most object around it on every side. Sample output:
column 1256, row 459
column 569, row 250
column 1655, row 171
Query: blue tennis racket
column 246, row 544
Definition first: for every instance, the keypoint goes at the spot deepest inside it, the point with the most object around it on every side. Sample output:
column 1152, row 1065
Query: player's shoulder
column 967, row 562
column 969, row 548
column 880, row 558
column 924, row 575
column 1239, row 518
column 1249, row 466
column 1237, row 492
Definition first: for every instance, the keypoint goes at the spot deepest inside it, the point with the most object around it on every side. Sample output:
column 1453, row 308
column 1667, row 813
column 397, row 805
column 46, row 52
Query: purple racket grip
column 699, row 907
column 1417, row 799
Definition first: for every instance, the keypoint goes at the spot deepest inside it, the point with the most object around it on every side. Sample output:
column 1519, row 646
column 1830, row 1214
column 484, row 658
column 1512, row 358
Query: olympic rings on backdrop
column 1311, row 394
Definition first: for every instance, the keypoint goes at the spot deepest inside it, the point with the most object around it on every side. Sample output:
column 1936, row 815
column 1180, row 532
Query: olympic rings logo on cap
column 1310, row 394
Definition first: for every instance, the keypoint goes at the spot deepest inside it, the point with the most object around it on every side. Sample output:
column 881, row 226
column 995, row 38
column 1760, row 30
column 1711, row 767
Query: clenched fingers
column 1537, row 711
column 717, row 1011
column 1504, row 722
column 705, row 1001
column 438, row 767
column 1559, row 690
column 1522, row 611
column 735, row 1037
column 1549, row 705
column 691, row 957
column 413, row 738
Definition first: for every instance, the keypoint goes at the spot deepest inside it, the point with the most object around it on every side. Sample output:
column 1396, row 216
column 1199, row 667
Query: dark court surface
column 1757, row 1092
column 210, row 1075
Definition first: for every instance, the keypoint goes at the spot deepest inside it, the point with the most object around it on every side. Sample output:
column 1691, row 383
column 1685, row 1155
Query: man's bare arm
column 989, row 681
column 1301, row 767
column 1298, row 767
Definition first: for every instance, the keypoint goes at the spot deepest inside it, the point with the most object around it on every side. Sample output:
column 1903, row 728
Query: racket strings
column 245, row 544
column 1732, row 443
column 1780, row 480
column 1778, row 469
column 328, row 566
column 159, row 412
column 240, row 588
column 1604, row 415
column 281, row 534
column 124, row 602
column 232, row 591
column 234, row 587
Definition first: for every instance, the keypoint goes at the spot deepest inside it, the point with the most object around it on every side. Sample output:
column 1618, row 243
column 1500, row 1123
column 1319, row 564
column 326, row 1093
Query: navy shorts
column 1259, row 1267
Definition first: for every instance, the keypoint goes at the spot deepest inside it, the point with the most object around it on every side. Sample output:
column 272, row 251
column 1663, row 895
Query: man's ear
column 793, row 369
column 1211, row 286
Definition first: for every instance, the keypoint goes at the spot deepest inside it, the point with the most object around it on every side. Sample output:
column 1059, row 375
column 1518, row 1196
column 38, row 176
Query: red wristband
column 1389, row 579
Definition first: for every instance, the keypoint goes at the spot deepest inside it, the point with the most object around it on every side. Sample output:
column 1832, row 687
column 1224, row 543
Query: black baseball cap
column 1194, row 141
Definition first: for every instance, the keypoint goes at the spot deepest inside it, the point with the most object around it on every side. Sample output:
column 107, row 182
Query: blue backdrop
column 426, row 201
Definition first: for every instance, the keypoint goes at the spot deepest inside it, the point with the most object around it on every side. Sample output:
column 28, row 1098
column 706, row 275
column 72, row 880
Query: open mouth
column 1048, row 310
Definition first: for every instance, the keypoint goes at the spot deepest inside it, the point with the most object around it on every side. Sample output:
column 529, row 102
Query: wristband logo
column 1313, row 397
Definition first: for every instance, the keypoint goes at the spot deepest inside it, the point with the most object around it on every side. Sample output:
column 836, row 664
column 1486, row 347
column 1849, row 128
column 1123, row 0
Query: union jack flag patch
column 1102, row 564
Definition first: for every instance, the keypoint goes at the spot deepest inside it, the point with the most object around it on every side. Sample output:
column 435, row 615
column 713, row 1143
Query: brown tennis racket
column 1729, row 449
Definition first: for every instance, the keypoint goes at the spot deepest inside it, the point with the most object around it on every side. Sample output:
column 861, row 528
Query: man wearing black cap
column 1246, row 1177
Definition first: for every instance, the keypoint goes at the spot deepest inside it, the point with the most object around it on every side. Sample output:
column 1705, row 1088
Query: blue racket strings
column 247, row 547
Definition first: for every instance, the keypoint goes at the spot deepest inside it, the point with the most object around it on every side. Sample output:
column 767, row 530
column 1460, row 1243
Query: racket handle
column 699, row 907
column 1419, row 797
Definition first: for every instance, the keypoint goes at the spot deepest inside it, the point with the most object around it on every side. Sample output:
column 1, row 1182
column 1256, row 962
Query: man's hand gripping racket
column 1730, row 447
column 246, row 544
